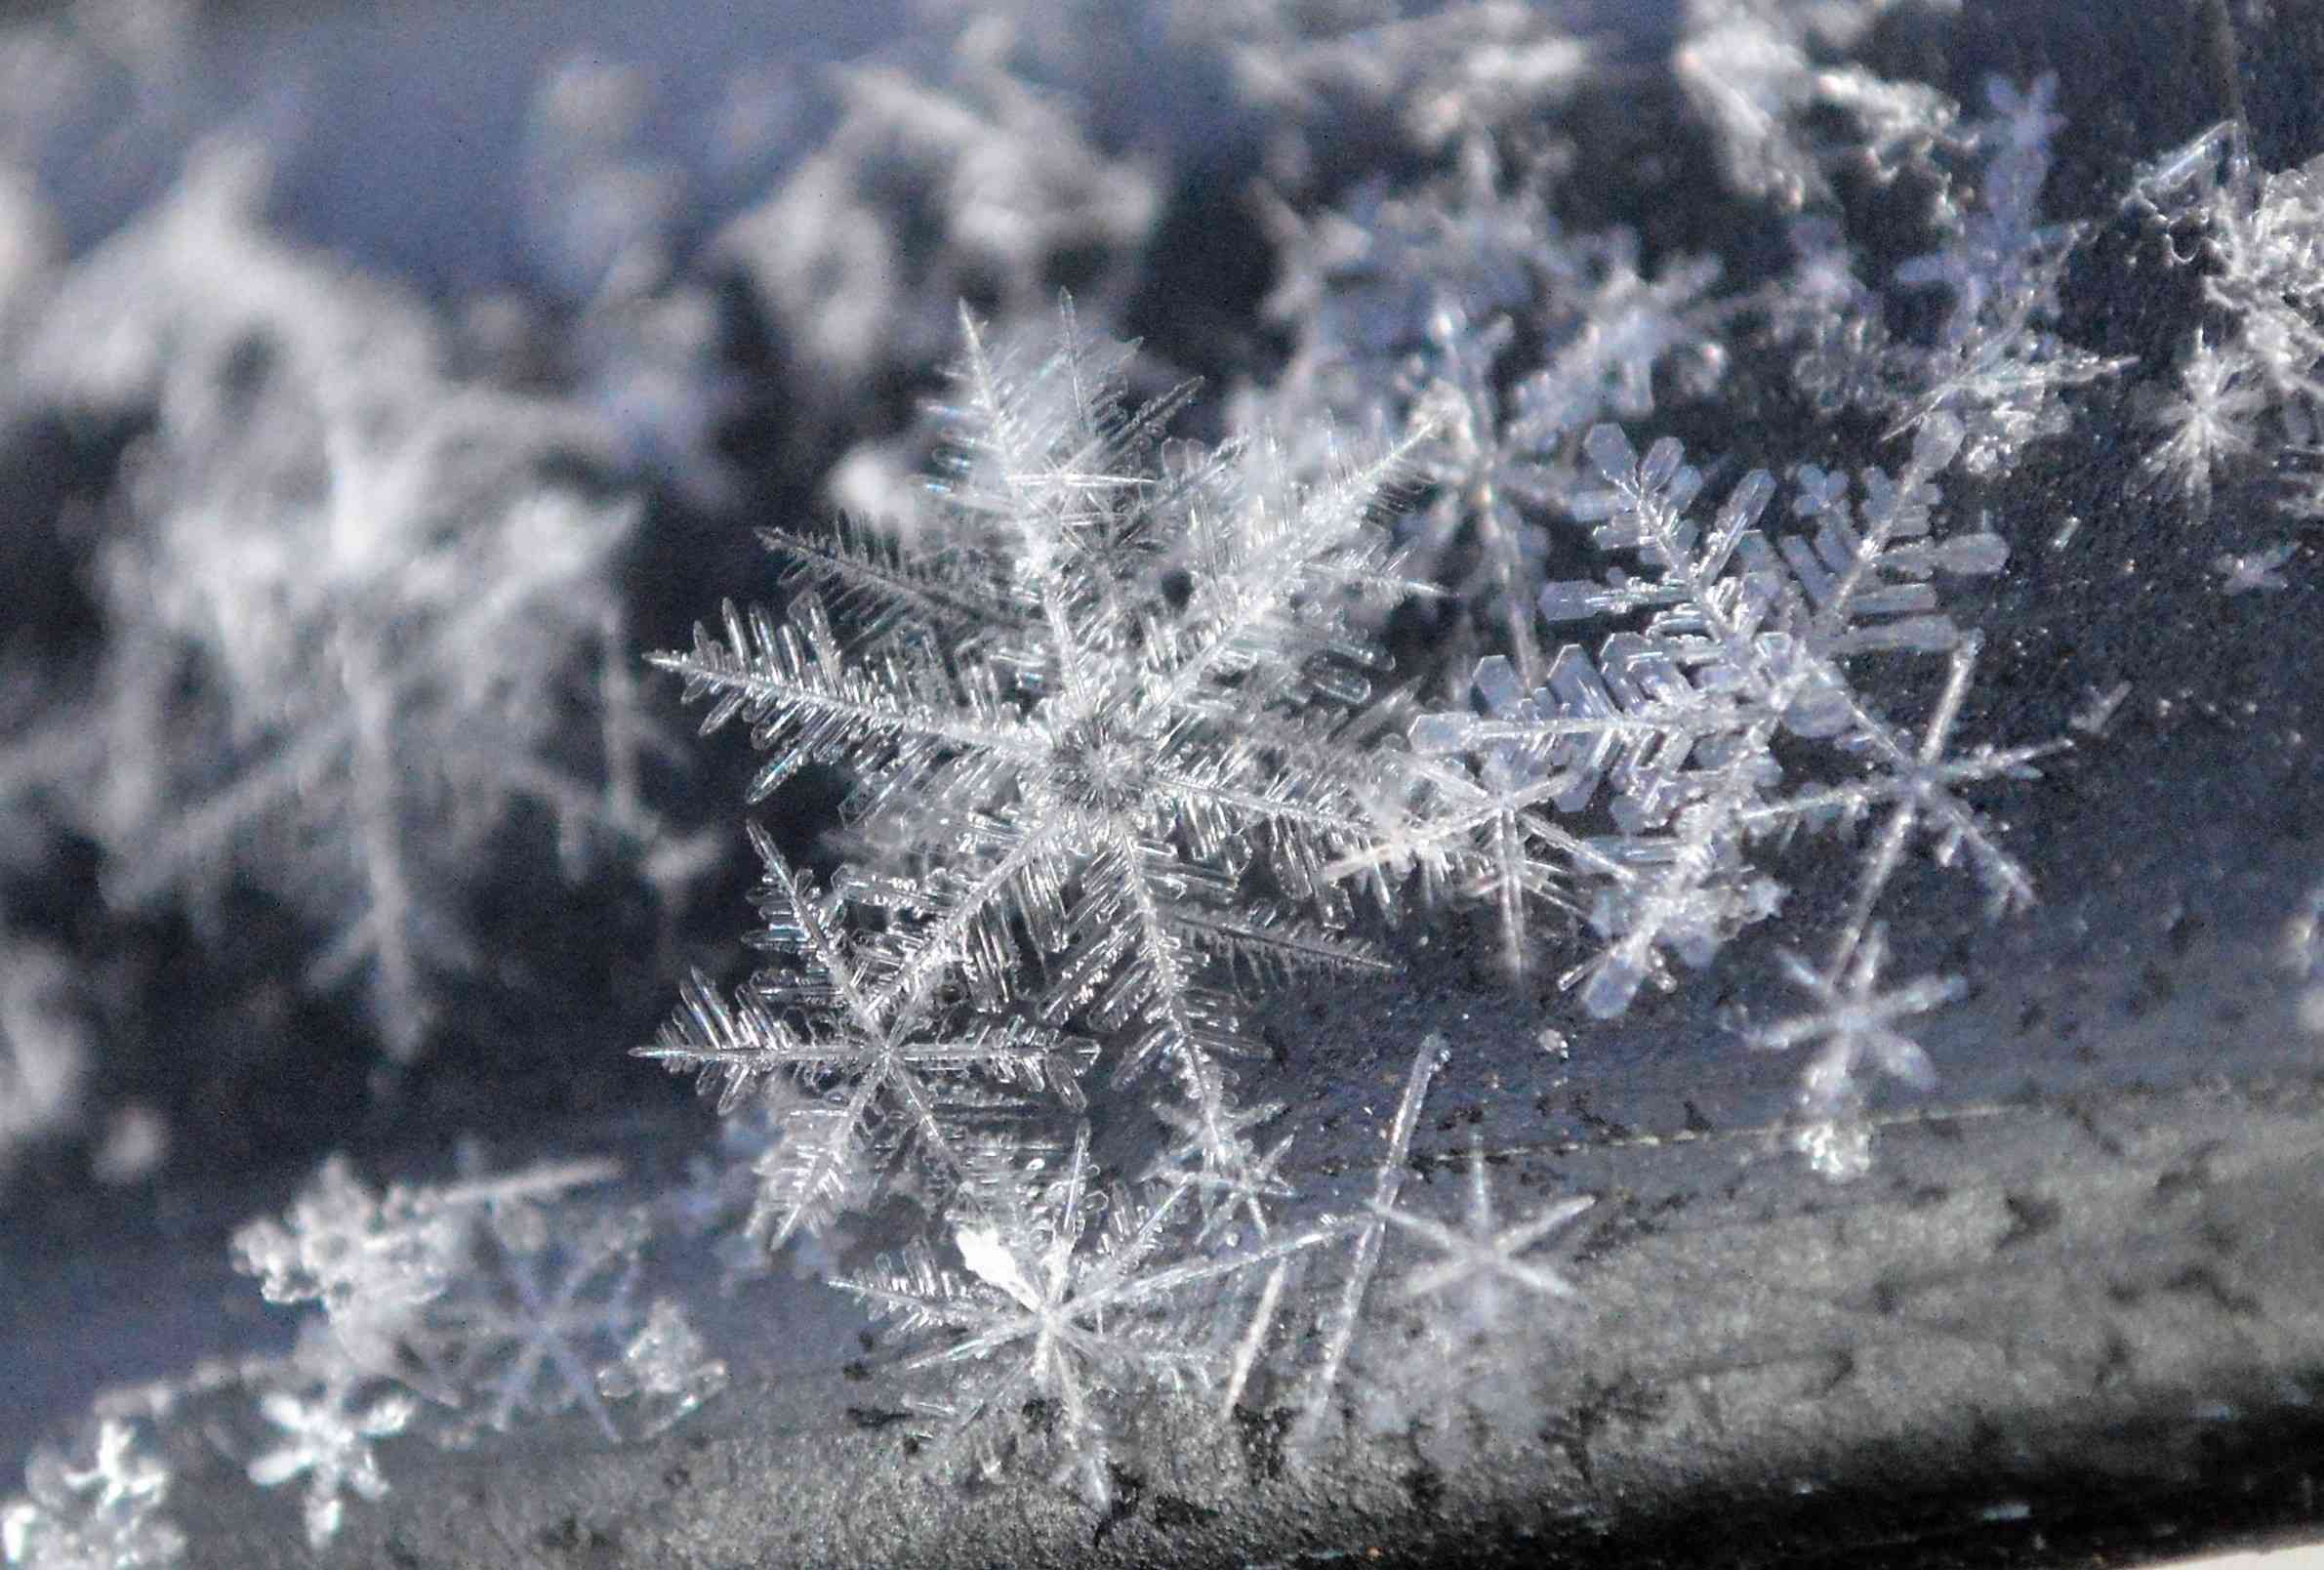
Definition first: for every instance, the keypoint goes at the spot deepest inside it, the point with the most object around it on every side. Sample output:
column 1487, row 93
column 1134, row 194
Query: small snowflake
column 1857, row 1025
column 331, row 1444
column 536, row 1329
column 101, row 1517
column 1480, row 1259
column 1060, row 1305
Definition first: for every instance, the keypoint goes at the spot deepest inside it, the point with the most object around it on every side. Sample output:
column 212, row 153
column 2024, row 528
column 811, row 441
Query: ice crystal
column 1857, row 1025
column 1368, row 1237
column 861, row 1030
column 1674, row 721
column 1066, row 1299
column 1762, row 77
column 1049, row 739
column 665, row 1369
column 1011, row 192
column 2255, row 239
column 1479, row 1262
column 104, row 1515
column 529, row 1325
column 2208, row 424
column 1997, row 365
column 458, row 1308
column 329, row 1442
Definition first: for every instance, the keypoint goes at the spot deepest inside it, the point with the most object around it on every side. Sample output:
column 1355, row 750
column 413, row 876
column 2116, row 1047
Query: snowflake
column 531, row 1322
column 1920, row 785
column 1627, row 325
column 101, row 1517
column 380, row 1266
column 1857, row 1025
column 925, row 195
column 2208, row 422
column 1673, row 721
column 1097, row 759
column 372, row 1263
column 2254, row 237
column 1996, row 366
column 1066, row 1300
column 1477, row 1259
column 357, row 606
column 1368, row 1237
column 869, row 1025
column 329, row 1443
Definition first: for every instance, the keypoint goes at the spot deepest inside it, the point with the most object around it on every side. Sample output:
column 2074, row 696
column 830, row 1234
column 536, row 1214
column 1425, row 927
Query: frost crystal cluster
column 472, row 1305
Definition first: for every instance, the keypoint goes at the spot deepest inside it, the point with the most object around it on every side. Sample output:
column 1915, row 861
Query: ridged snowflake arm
column 1005, row 872
column 1642, row 509
column 1052, row 457
column 894, row 718
column 866, row 574
column 1632, row 717
column 1480, row 830
column 329, row 1443
column 1270, row 564
column 1850, row 570
column 731, row 1047
column 1857, row 1025
column 1477, row 1258
column 1279, row 784
column 392, row 934
column 1370, row 1236
column 101, row 1517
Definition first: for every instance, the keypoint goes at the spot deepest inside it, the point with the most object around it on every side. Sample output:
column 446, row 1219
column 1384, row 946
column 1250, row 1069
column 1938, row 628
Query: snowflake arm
column 896, row 717
column 1369, row 1238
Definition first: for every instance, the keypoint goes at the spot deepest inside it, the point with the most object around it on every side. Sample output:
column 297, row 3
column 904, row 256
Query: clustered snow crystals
column 1102, row 685
column 472, row 1302
column 1108, row 702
